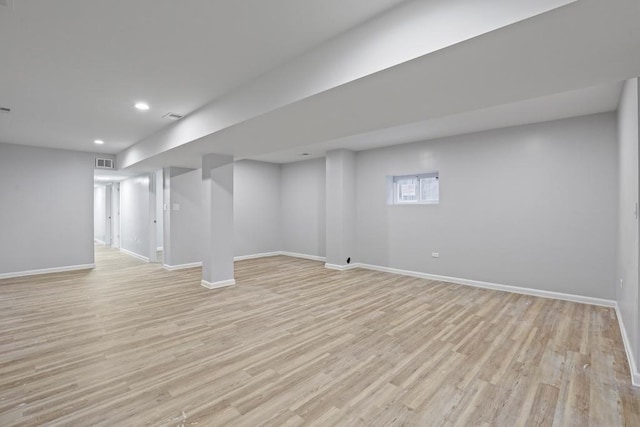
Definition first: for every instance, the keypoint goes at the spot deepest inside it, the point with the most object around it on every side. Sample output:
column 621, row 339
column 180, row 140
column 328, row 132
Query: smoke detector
column 172, row 116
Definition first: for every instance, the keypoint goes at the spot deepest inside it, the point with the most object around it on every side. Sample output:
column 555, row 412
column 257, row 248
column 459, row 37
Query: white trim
column 100, row 242
column 254, row 256
column 635, row 375
column 46, row 271
column 311, row 257
column 244, row 257
column 494, row 286
column 159, row 248
column 220, row 284
column 135, row 255
column 340, row 267
column 181, row 266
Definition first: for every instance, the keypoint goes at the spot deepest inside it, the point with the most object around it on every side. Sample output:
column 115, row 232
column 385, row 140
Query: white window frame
column 417, row 177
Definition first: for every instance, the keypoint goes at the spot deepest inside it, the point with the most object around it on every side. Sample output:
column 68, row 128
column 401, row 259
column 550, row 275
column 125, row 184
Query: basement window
column 416, row 189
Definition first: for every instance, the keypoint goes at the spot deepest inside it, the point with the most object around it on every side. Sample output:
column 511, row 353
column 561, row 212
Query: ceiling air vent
column 104, row 163
column 172, row 116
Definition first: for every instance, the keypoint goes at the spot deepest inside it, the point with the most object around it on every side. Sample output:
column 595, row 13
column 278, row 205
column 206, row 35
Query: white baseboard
column 181, row 266
column 220, row 284
column 341, row 267
column 46, row 271
column 254, row 256
column 135, row 255
column 242, row 258
column 296, row 255
column 635, row 375
column 494, row 286
column 159, row 248
column 100, row 242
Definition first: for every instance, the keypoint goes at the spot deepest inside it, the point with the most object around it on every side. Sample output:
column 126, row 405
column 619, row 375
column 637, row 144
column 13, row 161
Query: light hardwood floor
column 296, row 344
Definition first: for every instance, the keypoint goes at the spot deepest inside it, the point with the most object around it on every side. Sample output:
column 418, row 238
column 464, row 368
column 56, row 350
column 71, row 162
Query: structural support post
column 341, row 208
column 217, row 186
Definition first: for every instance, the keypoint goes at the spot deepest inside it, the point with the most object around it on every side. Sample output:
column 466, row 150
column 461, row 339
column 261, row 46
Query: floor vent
column 104, row 163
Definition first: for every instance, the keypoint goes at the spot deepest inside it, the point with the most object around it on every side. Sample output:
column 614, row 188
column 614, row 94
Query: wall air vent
column 172, row 116
column 5, row 109
column 104, row 163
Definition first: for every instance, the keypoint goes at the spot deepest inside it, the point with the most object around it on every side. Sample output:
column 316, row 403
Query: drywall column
column 627, row 289
column 217, row 210
column 341, row 208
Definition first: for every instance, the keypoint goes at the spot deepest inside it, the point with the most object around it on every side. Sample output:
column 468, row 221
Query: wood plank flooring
column 292, row 343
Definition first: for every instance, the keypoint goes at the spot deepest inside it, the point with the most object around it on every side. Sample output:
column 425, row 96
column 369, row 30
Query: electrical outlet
column 435, row 254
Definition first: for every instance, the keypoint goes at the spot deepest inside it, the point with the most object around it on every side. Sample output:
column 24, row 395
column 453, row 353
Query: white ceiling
column 593, row 100
column 565, row 62
column 72, row 69
column 331, row 74
column 103, row 176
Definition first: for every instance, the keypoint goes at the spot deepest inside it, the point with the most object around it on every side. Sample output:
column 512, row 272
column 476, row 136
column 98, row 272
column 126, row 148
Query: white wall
column 46, row 215
column 186, row 226
column 531, row 206
column 134, row 215
column 115, row 214
column 303, row 207
column 256, row 206
column 627, row 295
column 100, row 213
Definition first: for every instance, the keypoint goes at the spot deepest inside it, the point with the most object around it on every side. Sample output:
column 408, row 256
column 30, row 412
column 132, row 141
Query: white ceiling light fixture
column 98, row 141
column 142, row 106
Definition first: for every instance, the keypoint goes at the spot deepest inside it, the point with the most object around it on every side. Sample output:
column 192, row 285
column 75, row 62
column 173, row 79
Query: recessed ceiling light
column 99, row 141
column 142, row 106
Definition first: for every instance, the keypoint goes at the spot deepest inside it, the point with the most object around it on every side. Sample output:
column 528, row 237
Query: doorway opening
column 129, row 213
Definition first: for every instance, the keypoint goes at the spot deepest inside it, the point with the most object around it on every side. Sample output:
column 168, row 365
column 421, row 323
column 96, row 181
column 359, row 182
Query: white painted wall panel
column 531, row 206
